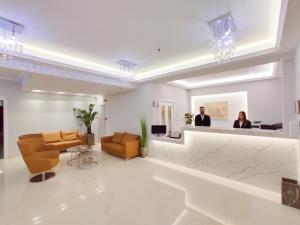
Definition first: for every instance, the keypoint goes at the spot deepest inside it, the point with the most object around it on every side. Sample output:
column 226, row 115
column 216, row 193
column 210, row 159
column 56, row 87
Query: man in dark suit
column 202, row 119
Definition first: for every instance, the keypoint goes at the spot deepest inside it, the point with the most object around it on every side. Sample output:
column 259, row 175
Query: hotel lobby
column 150, row 112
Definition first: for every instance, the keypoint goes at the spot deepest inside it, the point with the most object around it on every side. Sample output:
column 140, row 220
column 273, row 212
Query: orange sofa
column 123, row 145
column 57, row 141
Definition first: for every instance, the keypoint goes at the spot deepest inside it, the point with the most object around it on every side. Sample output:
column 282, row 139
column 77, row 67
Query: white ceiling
column 95, row 34
column 265, row 71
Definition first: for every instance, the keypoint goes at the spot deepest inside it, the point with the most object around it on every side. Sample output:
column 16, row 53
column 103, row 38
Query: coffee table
column 83, row 156
column 88, row 159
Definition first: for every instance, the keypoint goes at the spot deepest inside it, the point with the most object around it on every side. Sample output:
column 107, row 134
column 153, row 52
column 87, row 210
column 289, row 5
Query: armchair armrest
column 132, row 148
column 107, row 139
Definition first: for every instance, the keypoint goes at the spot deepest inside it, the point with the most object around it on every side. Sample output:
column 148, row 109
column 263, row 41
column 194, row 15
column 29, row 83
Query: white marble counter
column 254, row 157
column 250, row 132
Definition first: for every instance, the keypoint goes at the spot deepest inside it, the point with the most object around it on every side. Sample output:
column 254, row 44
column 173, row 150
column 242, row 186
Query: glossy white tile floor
column 136, row 192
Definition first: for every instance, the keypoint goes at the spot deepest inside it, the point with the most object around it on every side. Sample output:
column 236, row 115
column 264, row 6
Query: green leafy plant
column 144, row 138
column 87, row 116
column 189, row 118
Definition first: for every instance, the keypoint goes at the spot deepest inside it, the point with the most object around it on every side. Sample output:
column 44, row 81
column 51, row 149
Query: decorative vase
column 144, row 152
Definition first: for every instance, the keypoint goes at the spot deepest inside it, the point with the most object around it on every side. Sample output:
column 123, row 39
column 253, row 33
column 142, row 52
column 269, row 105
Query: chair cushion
column 129, row 137
column 113, row 147
column 51, row 137
column 69, row 135
column 117, row 138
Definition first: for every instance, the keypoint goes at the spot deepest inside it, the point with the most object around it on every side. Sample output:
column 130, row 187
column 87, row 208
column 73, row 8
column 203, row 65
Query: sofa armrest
column 132, row 149
column 107, row 139
column 81, row 138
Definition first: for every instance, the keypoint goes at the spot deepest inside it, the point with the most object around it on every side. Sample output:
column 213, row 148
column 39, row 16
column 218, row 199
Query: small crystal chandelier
column 11, row 42
column 126, row 71
column 222, row 43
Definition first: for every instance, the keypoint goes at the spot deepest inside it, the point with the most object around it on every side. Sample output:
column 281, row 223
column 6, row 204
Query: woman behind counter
column 242, row 121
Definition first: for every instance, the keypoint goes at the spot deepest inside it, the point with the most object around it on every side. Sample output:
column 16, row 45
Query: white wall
column 264, row 98
column 237, row 101
column 28, row 112
column 124, row 110
column 297, row 76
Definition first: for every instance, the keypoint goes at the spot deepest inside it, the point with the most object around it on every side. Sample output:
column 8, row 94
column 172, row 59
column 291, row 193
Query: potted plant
column 144, row 138
column 88, row 116
column 189, row 118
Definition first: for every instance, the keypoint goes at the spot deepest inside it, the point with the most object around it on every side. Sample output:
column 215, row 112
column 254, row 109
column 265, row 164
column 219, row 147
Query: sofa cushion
column 72, row 143
column 117, row 138
column 51, row 137
column 129, row 137
column 55, row 145
column 69, row 135
column 113, row 147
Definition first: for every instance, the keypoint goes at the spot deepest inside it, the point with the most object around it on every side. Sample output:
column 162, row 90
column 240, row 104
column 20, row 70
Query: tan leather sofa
column 57, row 141
column 62, row 140
column 123, row 145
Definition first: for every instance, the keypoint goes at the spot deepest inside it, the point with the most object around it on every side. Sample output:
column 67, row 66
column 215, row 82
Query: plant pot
column 90, row 139
column 144, row 152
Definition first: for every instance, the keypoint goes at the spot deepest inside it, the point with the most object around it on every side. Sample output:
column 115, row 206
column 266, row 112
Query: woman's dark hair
column 244, row 115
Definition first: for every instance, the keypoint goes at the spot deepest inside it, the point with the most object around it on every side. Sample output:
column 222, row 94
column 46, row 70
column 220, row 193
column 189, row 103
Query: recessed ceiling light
column 61, row 93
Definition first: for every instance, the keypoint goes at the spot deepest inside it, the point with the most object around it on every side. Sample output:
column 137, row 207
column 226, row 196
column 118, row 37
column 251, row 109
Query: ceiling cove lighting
column 58, row 93
column 227, row 80
column 11, row 42
column 222, row 43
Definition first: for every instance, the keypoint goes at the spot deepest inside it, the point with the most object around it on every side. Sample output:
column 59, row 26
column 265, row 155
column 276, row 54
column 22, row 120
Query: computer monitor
column 159, row 129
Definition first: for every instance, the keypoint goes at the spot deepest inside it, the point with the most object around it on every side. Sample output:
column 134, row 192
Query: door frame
column 173, row 112
column 5, row 126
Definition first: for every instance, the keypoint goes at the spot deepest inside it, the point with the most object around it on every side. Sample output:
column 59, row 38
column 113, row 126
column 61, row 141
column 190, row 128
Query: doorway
column 1, row 129
column 166, row 115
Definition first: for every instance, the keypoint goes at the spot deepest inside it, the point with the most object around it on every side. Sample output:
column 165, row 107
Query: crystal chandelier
column 11, row 43
column 126, row 71
column 222, row 43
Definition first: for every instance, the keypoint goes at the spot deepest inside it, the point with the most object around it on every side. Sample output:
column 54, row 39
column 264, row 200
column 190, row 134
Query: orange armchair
column 39, row 162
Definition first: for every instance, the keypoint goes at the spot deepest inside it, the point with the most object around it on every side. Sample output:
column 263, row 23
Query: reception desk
column 256, row 157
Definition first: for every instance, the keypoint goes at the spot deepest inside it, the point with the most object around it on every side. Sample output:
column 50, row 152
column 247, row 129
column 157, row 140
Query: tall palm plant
column 144, row 137
column 88, row 116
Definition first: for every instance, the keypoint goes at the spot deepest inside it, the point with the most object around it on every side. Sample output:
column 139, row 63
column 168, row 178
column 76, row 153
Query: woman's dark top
column 246, row 124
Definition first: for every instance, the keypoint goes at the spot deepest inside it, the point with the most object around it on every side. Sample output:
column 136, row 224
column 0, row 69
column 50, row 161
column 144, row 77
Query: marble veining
column 256, row 160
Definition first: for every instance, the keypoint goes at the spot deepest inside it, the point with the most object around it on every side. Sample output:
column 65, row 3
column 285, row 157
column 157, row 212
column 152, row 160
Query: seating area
column 41, row 151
